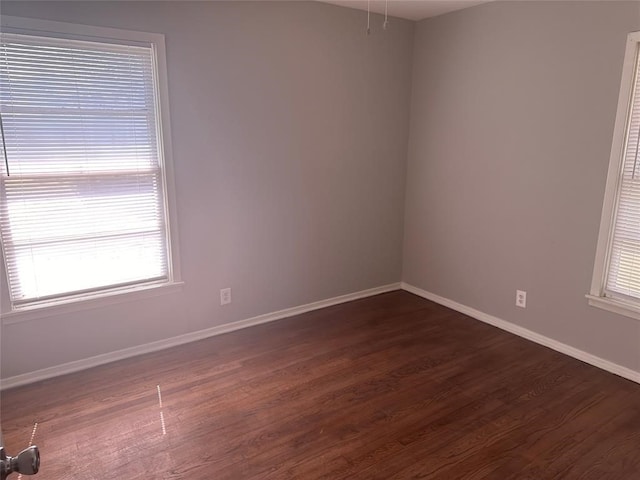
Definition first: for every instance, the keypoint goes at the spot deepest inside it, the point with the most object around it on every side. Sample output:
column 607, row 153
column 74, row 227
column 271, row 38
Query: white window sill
column 93, row 301
column 616, row 305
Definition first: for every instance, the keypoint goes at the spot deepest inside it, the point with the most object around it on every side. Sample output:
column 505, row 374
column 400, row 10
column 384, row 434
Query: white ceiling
column 409, row 9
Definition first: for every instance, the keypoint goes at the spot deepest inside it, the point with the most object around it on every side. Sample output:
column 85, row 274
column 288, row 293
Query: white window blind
column 623, row 277
column 82, row 186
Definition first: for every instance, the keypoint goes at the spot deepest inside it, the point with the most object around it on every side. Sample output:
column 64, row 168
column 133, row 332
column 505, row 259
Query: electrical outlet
column 521, row 299
column 225, row 296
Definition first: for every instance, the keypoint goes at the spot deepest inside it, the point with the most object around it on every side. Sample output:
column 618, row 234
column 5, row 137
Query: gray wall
column 512, row 115
column 290, row 133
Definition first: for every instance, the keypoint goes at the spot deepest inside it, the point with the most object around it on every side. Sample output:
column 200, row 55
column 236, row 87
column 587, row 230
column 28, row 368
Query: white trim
column 581, row 355
column 89, row 302
column 615, row 305
column 86, row 363
column 34, row 26
column 165, row 151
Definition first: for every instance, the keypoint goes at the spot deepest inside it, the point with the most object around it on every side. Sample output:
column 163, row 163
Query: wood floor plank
column 389, row 387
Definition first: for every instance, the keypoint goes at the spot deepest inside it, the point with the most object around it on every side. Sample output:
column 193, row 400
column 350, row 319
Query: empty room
column 357, row 239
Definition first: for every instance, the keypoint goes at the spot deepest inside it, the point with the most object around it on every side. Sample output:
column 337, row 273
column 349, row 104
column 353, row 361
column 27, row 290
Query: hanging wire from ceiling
column 386, row 16
column 4, row 146
column 385, row 24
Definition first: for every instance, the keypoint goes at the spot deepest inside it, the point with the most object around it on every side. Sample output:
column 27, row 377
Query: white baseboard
column 594, row 360
column 85, row 363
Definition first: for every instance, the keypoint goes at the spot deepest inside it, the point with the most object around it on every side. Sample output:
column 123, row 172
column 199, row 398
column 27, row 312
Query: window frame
column 597, row 296
column 118, row 294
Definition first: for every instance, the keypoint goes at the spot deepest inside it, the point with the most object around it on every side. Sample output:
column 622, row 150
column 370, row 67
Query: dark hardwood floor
column 389, row 387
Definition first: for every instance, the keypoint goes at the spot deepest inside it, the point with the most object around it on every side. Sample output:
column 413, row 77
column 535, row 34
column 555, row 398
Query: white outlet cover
column 225, row 296
column 521, row 299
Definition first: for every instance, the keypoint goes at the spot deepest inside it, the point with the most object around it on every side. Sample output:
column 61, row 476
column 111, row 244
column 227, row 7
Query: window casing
column 616, row 278
column 85, row 189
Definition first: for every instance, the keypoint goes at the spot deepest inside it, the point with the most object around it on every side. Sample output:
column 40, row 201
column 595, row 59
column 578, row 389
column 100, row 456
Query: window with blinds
column 623, row 276
column 616, row 279
column 82, row 187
